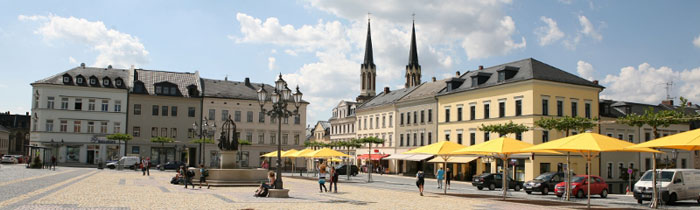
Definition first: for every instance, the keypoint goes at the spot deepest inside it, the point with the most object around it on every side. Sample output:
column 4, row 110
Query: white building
column 73, row 111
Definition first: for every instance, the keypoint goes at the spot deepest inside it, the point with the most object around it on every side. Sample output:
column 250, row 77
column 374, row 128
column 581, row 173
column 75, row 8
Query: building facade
column 322, row 132
column 4, row 140
column 18, row 129
column 164, row 104
column 74, row 111
column 343, row 122
column 521, row 92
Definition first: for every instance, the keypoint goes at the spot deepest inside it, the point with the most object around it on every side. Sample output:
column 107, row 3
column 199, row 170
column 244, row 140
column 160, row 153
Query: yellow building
column 523, row 92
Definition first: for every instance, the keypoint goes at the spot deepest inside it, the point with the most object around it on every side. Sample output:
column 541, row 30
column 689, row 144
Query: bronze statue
column 228, row 140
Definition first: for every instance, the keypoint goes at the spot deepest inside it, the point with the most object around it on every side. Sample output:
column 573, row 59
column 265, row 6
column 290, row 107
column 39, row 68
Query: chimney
column 26, row 113
column 386, row 90
column 109, row 67
column 457, row 74
column 667, row 102
column 434, row 79
column 82, row 65
column 247, row 81
column 481, row 67
column 226, row 78
column 595, row 82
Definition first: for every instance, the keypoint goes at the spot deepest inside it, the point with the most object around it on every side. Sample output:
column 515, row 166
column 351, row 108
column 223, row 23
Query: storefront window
column 73, row 153
column 162, row 154
column 112, row 152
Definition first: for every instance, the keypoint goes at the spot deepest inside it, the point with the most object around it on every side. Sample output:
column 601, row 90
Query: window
column 273, row 138
column 475, row 81
column 501, row 76
column 472, row 112
column 286, row 121
column 64, row 103
column 620, row 136
column 224, row 115
column 610, row 170
column 105, row 82
column 273, row 120
column 684, row 163
column 422, row 116
column 588, row 110
column 391, row 121
column 155, row 110
column 545, row 136
column 284, row 139
column 383, row 121
column 159, row 89
column 105, row 105
column 415, row 139
column 401, row 122
column 647, row 136
column 647, row 163
column 238, row 116
column 164, row 132
column 91, row 127
column 64, row 126
column 78, row 105
column 544, row 167
column 91, row 105
column 297, row 119
column 165, row 111
column 212, row 114
column 518, row 107
column 154, row 131
column 472, row 138
column 574, row 108
column 401, row 140
column 296, row 139
column 560, row 108
column 415, row 117
column 79, row 80
column 447, row 114
column 137, row 109
column 261, row 117
column 545, row 107
column 430, row 138
column 49, row 102
column 486, row 111
column 135, row 149
column 93, row 81
column 118, row 82
column 103, row 127
column 190, row 133
column 173, row 132
column 190, row 111
column 502, row 109
column 370, row 123
column 173, row 91
column 117, row 106
column 49, row 125
column 630, row 138
column 447, row 135
column 249, row 116
column 364, row 124
column 459, row 113
column 519, row 136
column 487, row 136
column 66, row 79
column 430, row 115
column 261, row 138
column 76, row 126
column 459, row 138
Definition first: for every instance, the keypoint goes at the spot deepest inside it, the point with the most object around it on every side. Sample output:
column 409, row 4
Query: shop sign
column 98, row 140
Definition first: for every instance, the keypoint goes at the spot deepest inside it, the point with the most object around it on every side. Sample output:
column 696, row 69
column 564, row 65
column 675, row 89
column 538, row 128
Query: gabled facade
column 322, row 132
column 343, row 121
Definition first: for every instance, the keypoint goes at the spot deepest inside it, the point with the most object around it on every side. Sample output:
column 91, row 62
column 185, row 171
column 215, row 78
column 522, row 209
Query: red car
column 579, row 188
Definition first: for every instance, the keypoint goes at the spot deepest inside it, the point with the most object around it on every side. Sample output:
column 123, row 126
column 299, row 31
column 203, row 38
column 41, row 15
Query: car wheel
column 492, row 186
column 110, row 167
column 517, row 187
column 580, row 194
column 640, row 201
column 480, row 187
column 604, row 194
column 672, row 199
column 545, row 191
column 528, row 192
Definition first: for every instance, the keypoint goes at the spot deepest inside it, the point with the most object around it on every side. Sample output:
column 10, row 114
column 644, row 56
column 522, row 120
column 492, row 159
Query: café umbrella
column 442, row 149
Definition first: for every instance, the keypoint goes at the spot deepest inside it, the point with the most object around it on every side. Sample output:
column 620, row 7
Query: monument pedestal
column 227, row 159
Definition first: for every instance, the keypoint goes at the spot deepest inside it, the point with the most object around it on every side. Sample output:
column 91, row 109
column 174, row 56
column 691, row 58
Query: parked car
column 674, row 185
column 171, row 165
column 128, row 162
column 20, row 158
column 493, row 181
column 9, row 159
column 545, row 182
column 579, row 187
column 342, row 170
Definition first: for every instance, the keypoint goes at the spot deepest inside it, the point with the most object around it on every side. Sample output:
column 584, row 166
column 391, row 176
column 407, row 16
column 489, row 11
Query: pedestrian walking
column 420, row 181
column 448, row 178
column 440, row 176
column 188, row 176
column 145, row 165
column 322, row 179
column 203, row 174
column 334, row 180
column 53, row 162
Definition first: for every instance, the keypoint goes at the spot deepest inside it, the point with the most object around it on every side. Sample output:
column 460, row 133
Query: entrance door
column 192, row 158
column 90, row 157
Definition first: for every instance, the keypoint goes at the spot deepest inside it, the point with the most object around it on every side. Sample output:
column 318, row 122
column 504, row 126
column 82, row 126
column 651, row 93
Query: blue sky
column 632, row 47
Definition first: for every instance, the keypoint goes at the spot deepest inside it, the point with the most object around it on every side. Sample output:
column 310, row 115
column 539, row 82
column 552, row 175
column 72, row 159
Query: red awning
column 372, row 156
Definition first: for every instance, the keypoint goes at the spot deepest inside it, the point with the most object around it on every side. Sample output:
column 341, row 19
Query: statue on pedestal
column 229, row 138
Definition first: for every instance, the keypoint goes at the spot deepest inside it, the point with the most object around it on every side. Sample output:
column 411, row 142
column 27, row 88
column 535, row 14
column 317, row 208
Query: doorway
column 90, row 157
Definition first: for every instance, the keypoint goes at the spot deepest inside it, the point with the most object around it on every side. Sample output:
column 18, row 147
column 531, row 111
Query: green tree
column 504, row 129
column 121, row 137
column 348, row 145
column 566, row 125
column 655, row 119
column 369, row 141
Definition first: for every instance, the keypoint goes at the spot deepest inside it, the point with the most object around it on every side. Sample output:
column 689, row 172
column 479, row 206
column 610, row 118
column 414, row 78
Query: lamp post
column 204, row 131
column 279, row 98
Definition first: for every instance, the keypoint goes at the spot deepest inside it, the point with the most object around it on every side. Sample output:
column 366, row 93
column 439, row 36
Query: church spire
column 413, row 72
column 413, row 53
column 369, row 57
column 368, row 71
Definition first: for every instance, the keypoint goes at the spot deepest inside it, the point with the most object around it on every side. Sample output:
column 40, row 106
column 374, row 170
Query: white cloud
column 72, row 60
column 273, row 51
column 588, row 28
column 271, row 63
column 290, row 52
column 484, row 44
column 550, row 33
column 566, row 1
column 646, row 84
column 113, row 47
column 585, row 70
column 696, row 41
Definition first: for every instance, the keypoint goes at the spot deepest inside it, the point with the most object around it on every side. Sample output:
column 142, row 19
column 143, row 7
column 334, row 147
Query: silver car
column 9, row 159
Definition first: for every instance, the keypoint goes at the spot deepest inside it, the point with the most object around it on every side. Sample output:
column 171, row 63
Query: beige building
column 164, row 104
column 343, row 122
column 322, row 132
column 614, row 165
column 239, row 101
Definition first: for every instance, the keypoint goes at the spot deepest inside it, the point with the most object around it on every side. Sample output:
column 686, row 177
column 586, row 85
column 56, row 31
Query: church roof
column 369, row 57
column 413, row 52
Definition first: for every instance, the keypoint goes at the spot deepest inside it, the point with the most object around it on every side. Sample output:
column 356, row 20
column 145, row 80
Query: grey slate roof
column 181, row 79
column 233, row 89
column 383, row 99
column 87, row 72
column 620, row 108
column 527, row 69
column 3, row 129
column 425, row 90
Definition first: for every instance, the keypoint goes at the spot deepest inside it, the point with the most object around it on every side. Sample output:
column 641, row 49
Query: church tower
column 368, row 72
column 413, row 73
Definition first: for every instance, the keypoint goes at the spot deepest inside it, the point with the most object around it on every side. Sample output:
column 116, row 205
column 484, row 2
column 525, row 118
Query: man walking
column 53, row 162
column 145, row 163
column 188, row 176
column 448, row 178
column 440, row 176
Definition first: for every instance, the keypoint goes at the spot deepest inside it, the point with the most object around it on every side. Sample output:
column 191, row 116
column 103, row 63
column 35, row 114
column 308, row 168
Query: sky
column 634, row 48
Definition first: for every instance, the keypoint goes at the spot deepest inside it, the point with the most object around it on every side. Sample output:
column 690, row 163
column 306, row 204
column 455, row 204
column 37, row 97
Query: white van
column 127, row 161
column 673, row 185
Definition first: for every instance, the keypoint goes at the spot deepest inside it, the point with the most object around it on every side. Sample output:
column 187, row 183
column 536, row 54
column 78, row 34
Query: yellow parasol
column 689, row 140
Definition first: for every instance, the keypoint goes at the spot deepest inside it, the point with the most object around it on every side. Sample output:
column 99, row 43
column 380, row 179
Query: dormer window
column 480, row 78
column 506, row 73
column 173, row 91
column 159, row 90
column 67, row 79
column 105, row 82
column 118, row 82
column 501, row 76
column 475, row 81
column 93, row 81
column 80, row 80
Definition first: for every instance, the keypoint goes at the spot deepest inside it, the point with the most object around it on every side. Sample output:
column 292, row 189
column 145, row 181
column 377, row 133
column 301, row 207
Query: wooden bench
column 278, row 193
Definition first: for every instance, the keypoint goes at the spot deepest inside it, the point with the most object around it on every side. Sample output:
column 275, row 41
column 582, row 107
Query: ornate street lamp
column 279, row 97
column 204, row 130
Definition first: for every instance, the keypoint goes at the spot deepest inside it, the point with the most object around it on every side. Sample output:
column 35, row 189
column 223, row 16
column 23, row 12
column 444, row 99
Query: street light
column 204, row 130
column 279, row 97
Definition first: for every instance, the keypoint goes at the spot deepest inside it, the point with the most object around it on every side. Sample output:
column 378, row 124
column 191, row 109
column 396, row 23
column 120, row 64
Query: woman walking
column 420, row 181
column 448, row 178
column 440, row 176
column 203, row 174
column 322, row 178
column 334, row 180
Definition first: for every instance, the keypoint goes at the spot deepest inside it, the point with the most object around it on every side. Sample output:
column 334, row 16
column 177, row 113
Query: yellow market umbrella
column 271, row 154
column 442, row 149
column 589, row 145
column 326, row 153
column 689, row 140
column 298, row 154
column 336, row 160
column 287, row 154
column 501, row 148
